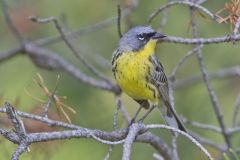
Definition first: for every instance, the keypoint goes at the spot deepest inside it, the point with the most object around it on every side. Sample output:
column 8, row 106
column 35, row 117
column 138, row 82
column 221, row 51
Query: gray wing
column 159, row 79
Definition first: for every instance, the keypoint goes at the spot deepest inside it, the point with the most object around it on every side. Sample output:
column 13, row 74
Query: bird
column 139, row 73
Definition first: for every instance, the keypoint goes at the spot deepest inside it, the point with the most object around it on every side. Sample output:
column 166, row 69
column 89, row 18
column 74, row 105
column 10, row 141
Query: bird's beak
column 158, row 35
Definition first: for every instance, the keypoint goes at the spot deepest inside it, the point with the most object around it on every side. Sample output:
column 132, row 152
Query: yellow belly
column 132, row 74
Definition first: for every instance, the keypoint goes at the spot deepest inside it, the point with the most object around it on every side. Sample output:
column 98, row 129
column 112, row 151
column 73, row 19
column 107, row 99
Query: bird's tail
column 171, row 118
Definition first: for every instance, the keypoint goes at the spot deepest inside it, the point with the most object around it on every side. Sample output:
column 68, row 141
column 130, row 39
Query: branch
column 119, row 21
column 208, row 142
column 202, row 126
column 127, row 147
column 47, row 59
column 10, row 53
column 212, row 94
column 82, row 31
column 9, row 136
column 227, row 38
column 203, row 9
column 223, row 73
column 9, row 22
column 69, row 45
column 235, row 112
column 17, row 123
column 181, row 61
column 20, row 131
column 193, row 140
column 20, row 149
column 235, row 30
column 79, row 132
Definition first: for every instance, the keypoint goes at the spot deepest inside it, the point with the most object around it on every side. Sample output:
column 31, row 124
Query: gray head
column 136, row 38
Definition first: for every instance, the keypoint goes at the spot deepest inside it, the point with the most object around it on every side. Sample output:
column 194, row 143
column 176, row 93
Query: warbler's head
column 136, row 38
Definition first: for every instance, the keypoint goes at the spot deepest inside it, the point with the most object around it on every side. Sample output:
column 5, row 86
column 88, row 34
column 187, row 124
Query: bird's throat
column 148, row 49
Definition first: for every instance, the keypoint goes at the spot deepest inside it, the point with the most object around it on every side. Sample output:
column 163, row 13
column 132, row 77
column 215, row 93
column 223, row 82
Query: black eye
column 141, row 37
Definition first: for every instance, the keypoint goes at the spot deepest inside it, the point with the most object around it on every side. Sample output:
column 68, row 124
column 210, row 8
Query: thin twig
column 203, row 9
column 235, row 112
column 20, row 131
column 174, row 147
column 115, row 119
column 70, row 46
column 180, row 40
column 236, row 28
column 119, row 21
column 164, row 19
column 17, row 123
column 122, row 109
column 48, row 59
column 10, row 53
column 233, row 130
column 82, row 31
column 157, row 156
column 193, row 140
column 47, row 106
column 208, row 142
column 231, row 72
column 9, row 21
column 181, row 61
column 212, row 94
column 207, row 127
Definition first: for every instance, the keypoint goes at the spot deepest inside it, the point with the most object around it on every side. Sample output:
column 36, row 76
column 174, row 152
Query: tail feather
column 179, row 123
column 171, row 118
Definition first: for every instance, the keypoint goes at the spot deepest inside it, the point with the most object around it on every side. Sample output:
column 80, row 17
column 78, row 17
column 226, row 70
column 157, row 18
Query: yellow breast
column 133, row 71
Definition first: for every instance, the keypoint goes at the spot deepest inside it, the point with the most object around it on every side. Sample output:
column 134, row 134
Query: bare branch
column 208, row 142
column 207, row 127
column 157, row 156
column 235, row 112
column 163, row 21
column 235, row 30
column 193, row 140
column 10, row 53
column 119, row 21
column 9, row 22
column 203, row 9
column 115, row 120
column 9, row 135
column 228, row 38
column 47, row 59
column 20, row 131
column 157, row 143
column 116, row 137
column 174, row 147
column 212, row 94
column 233, row 130
column 82, row 31
column 127, row 147
column 70, row 46
column 181, row 61
column 223, row 73
column 122, row 108
column 20, row 149
column 17, row 123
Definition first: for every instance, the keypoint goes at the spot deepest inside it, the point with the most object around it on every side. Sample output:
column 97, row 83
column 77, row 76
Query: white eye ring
column 141, row 38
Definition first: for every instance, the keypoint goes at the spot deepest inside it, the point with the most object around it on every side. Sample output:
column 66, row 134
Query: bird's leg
column 146, row 114
column 135, row 116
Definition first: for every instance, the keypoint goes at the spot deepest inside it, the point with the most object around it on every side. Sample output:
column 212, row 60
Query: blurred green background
column 95, row 108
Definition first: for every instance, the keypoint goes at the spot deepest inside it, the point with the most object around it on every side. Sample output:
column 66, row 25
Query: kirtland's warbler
column 139, row 73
